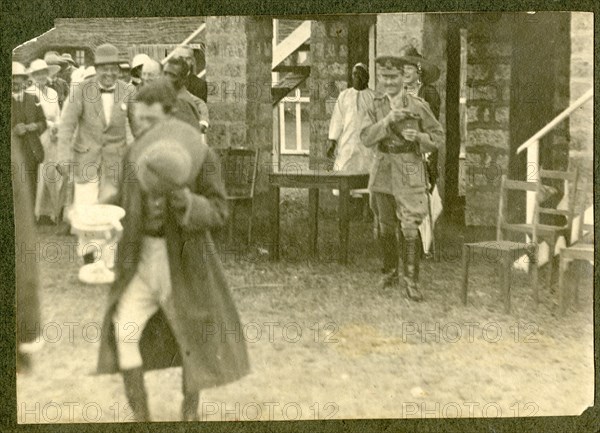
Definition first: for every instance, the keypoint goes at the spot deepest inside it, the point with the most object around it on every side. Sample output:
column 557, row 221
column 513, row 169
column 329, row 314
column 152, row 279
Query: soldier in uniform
column 400, row 127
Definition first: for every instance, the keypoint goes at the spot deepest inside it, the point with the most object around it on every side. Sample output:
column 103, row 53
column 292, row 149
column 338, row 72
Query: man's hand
column 20, row 129
column 331, row 145
column 31, row 127
column 409, row 134
column 179, row 197
column 396, row 115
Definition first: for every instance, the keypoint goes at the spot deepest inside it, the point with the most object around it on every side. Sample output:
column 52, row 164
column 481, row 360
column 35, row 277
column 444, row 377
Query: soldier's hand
column 409, row 134
column 20, row 129
column 396, row 115
column 331, row 145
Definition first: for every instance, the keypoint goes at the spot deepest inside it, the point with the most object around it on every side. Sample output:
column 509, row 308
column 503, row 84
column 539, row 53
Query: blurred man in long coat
column 169, row 280
column 26, row 264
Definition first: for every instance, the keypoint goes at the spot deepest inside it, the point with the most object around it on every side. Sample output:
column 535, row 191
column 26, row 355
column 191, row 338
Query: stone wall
column 328, row 58
column 259, row 106
column 395, row 31
column 488, row 95
column 226, row 50
column 581, row 125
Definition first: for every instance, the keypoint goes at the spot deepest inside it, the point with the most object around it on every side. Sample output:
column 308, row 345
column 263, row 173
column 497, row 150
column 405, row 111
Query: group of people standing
column 394, row 135
column 140, row 145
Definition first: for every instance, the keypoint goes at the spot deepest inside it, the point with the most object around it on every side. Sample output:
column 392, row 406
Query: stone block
column 484, row 137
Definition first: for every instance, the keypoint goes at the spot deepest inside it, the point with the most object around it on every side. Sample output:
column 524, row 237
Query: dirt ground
column 326, row 343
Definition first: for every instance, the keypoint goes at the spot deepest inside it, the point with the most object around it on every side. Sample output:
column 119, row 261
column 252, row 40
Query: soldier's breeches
column 409, row 208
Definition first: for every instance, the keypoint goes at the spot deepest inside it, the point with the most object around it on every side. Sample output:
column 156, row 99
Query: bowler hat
column 429, row 72
column 106, row 54
column 40, row 65
column 69, row 59
column 18, row 69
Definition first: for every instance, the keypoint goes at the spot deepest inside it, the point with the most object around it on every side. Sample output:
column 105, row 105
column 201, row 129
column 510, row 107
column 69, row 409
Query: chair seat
column 238, row 197
column 578, row 252
column 542, row 229
column 499, row 245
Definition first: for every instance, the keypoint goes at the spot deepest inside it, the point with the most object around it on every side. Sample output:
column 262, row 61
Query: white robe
column 346, row 123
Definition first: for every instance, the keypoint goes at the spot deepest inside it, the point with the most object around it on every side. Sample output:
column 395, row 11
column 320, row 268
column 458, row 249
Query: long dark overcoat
column 205, row 336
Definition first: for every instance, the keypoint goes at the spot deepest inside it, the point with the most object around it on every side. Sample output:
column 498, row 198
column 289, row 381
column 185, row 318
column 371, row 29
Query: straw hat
column 40, row 65
column 139, row 60
column 18, row 69
column 90, row 71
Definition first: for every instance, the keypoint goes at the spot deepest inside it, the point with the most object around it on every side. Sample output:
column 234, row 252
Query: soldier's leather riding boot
column 412, row 255
column 136, row 393
column 389, row 251
column 191, row 400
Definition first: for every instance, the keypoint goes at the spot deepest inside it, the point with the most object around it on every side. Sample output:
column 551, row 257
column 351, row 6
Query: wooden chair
column 581, row 250
column 239, row 168
column 551, row 233
column 508, row 251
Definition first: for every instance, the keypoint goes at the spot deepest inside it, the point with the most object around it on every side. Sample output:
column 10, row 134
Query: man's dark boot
column 191, row 400
column 88, row 258
column 412, row 255
column 136, row 393
column 389, row 251
column 189, row 407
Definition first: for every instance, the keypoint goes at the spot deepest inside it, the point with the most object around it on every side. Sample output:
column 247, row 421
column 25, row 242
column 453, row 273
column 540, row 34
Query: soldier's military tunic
column 398, row 180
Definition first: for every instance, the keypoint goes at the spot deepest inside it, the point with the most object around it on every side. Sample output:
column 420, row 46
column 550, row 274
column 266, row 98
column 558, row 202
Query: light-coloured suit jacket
column 93, row 147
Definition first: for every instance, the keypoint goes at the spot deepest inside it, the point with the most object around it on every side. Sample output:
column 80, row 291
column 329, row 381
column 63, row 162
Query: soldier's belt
column 406, row 147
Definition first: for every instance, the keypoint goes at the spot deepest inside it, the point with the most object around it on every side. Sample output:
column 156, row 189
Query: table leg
column 466, row 251
column 343, row 220
column 507, row 271
column 313, row 221
column 274, row 216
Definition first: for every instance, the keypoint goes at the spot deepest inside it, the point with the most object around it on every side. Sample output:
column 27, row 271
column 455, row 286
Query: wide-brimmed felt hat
column 429, row 71
column 53, row 58
column 106, row 54
column 163, row 166
column 69, row 59
column 40, row 65
column 170, row 157
column 18, row 69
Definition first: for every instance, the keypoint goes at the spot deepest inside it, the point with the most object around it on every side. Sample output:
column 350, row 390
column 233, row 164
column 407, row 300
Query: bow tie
column 107, row 90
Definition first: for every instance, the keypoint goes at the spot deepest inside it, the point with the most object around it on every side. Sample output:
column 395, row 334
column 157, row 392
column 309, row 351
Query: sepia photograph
column 308, row 217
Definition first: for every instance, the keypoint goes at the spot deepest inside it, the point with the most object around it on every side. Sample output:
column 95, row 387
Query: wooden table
column 314, row 180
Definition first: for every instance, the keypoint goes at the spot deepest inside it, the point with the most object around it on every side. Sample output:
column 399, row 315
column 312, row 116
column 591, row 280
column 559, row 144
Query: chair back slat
column 239, row 168
column 519, row 185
